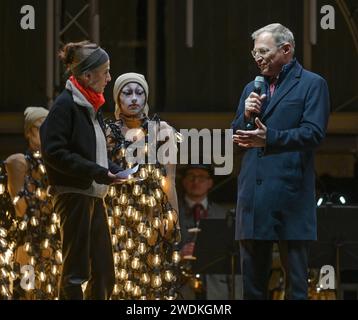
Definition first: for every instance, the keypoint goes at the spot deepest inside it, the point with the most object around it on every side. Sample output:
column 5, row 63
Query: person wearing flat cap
column 156, row 178
column 74, row 151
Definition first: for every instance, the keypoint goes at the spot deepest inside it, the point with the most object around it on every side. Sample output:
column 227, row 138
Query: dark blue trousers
column 256, row 261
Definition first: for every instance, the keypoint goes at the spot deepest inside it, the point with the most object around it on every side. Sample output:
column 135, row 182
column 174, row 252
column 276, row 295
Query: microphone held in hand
column 259, row 85
column 259, row 88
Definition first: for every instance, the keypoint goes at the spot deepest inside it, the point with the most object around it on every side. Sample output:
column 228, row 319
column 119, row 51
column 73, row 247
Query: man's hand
column 253, row 104
column 251, row 138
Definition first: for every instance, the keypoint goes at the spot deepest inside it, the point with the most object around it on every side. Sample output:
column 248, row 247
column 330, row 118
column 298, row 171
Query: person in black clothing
column 74, row 151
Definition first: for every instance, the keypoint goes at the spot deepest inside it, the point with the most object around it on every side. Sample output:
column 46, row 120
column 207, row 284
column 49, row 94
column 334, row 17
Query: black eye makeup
column 130, row 92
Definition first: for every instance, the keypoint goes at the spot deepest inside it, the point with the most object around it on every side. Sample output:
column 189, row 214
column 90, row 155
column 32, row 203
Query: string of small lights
column 7, row 214
column 36, row 235
column 144, row 227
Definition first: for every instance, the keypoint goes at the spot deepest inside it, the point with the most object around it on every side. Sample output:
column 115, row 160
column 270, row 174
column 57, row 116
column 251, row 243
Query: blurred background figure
column 16, row 164
column 35, row 232
column 195, row 205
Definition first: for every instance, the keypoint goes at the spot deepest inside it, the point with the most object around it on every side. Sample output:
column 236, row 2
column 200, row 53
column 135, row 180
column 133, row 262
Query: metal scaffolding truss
column 349, row 11
column 62, row 21
column 89, row 8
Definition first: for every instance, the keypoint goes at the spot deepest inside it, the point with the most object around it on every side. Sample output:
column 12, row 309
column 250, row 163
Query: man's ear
column 287, row 48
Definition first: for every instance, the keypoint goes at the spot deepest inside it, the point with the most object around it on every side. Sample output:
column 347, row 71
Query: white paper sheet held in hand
column 126, row 174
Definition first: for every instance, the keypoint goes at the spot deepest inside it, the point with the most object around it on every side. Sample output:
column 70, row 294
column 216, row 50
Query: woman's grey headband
column 94, row 60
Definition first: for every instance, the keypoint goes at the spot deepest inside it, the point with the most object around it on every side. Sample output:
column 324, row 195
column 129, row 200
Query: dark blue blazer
column 276, row 186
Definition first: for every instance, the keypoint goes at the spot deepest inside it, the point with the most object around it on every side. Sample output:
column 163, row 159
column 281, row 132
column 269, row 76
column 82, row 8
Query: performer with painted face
column 144, row 210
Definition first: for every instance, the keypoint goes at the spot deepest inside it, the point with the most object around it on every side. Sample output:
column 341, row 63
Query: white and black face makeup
column 132, row 99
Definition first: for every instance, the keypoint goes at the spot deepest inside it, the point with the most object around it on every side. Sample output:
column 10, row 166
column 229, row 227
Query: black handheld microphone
column 259, row 85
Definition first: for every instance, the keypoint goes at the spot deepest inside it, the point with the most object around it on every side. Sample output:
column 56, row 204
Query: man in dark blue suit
column 276, row 187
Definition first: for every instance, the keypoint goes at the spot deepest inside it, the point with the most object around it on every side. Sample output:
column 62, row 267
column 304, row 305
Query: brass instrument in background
column 191, row 284
column 277, row 283
column 315, row 292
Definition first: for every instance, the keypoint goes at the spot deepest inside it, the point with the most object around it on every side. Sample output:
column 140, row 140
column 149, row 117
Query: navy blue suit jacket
column 276, row 187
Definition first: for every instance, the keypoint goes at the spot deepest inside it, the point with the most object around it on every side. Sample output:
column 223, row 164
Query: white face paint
column 132, row 99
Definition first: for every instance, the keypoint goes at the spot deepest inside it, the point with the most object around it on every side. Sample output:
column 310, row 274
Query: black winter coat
column 68, row 145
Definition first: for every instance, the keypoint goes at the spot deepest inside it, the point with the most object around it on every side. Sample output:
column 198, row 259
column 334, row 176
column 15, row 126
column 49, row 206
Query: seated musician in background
column 194, row 205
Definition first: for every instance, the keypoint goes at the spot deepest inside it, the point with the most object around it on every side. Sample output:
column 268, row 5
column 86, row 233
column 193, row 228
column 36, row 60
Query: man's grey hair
column 280, row 33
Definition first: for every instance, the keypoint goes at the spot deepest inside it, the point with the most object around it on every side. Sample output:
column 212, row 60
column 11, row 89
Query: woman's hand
column 114, row 178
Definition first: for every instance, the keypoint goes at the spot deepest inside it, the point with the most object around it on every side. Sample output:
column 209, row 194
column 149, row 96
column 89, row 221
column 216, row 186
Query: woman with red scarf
column 75, row 156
